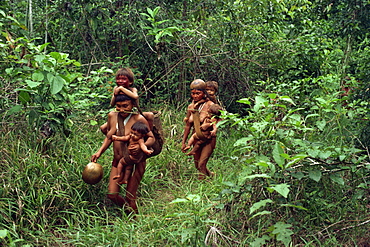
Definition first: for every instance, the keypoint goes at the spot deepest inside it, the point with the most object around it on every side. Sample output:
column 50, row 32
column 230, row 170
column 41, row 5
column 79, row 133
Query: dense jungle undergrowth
column 253, row 200
column 292, row 158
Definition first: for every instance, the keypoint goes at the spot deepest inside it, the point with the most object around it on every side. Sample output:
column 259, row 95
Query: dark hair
column 123, row 97
column 215, row 109
column 140, row 127
column 126, row 72
column 213, row 84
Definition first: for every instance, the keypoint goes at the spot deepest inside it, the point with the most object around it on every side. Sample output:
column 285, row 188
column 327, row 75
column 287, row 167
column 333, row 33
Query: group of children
column 135, row 139
column 209, row 126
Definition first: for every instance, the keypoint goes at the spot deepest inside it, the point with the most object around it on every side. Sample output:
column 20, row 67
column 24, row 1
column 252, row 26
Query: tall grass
column 44, row 202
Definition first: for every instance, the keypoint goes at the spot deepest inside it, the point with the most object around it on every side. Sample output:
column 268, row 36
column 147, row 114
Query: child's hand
column 213, row 132
column 117, row 90
column 148, row 151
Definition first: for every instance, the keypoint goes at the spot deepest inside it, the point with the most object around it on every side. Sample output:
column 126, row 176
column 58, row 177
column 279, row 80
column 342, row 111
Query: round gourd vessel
column 92, row 173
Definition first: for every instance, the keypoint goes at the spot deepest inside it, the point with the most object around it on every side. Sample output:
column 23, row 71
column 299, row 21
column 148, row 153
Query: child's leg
column 104, row 128
column 128, row 172
column 119, row 169
column 195, row 149
column 190, row 142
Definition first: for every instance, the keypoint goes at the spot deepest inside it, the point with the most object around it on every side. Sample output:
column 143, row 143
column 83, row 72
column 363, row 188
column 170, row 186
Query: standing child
column 208, row 129
column 124, row 82
column 137, row 150
column 124, row 85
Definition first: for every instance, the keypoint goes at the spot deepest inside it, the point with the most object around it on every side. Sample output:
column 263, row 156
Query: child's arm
column 113, row 99
column 151, row 139
column 214, row 124
column 144, row 147
column 130, row 92
column 206, row 125
column 125, row 138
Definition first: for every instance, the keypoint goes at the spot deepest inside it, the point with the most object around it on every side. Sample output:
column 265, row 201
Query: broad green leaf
column 55, row 55
column 260, row 101
column 342, row 157
column 313, row 152
column 32, row 116
column 193, row 198
column 272, row 95
column 260, row 213
column 295, row 160
column 50, row 77
column 276, row 153
column 315, row 175
column 57, row 84
column 3, row 233
column 298, row 175
column 39, row 58
column 32, row 84
column 14, row 109
column 283, row 232
column 282, row 189
column 227, row 183
column 288, row 99
column 179, row 200
column 321, row 124
column 243, row 141
column 150, row 11
column 262, row 163
column 38, row 76
column 244, row 101
column 24, row 97
column 9, row 70
column 258, row 242
column 258, row 205
column 337, row 178
column 93, row 122
column 311, row 115
column 325, row 155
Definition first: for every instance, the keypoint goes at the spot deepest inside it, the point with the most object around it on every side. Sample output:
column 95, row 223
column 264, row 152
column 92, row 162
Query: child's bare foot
column 123, row 182
column 116, row 177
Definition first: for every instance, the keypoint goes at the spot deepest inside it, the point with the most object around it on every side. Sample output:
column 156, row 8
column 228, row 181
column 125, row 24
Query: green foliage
column 155, row 29
column 292, row 159
column 282, row 152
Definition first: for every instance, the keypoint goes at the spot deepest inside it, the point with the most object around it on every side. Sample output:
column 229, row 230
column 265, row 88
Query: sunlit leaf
column 57, row 84
column 276, row 153
column 282, row 189
column 315, row 175
column 258, row 205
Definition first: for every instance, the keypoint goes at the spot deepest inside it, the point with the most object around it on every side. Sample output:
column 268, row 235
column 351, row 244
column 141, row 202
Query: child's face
column 211, row 91
column 135, row 135
column 123, row 81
